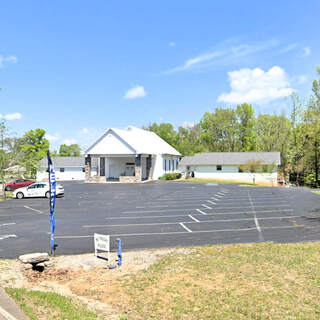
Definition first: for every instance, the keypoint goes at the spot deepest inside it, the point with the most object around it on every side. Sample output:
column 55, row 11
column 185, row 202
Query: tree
column 246, row 119
column 220, row 130
column 3, row 154
column 34, row 147
column 165, row 131
column 274, row 134
column 311, row 129
column 72, row 150
column 190, row 140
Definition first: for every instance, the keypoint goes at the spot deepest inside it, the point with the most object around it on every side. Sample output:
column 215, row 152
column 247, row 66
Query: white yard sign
column 102, row 243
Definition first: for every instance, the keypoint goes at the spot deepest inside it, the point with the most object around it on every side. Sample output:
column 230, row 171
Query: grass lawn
column 221, row 182
column 317, row 192
column 260, row 281
column 243, row 281
column 8, row 196
column 46, row 305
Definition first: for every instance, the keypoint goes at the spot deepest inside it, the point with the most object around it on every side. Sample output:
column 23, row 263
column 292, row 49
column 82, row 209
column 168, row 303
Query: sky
column 76, row 68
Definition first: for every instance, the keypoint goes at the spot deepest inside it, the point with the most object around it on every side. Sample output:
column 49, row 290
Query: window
column 165, row 164
column 33, row 186
column 219, row 167
column 61, row 169
column 169, row 165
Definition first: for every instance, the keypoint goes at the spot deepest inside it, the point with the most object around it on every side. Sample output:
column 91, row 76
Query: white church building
column 130, row 155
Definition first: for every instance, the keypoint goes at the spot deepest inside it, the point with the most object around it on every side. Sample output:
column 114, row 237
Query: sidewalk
column 9, row 309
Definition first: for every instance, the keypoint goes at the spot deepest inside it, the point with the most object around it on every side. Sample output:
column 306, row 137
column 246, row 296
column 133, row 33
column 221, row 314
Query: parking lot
column 159, row 214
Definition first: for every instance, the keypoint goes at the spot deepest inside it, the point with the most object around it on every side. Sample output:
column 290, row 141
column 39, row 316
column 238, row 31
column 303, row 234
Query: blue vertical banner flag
column 52, row 186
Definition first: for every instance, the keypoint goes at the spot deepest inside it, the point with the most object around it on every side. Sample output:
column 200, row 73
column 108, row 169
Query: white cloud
column 9, row 59
column 288, row 48
column 224, row 54
column 172, row 44
column 257, row 86
column 136, row 92
column 68, row 142
column 52, row 138
column 12, row 116
column 84, row 131
column 306, row 51
column 187, row 125
column 302, row 79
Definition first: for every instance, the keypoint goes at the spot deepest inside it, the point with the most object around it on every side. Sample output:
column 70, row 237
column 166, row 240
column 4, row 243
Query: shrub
column 171, row 176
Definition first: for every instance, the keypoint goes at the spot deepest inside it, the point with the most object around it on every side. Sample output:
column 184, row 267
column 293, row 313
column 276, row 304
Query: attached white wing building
column 229, row 166
column 66, row 168
column 130, row 155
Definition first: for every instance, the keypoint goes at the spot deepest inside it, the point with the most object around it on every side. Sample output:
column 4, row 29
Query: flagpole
column 52, row 246
column 50, row 204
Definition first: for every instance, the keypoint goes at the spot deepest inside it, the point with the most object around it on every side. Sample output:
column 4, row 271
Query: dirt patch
column 85, row 278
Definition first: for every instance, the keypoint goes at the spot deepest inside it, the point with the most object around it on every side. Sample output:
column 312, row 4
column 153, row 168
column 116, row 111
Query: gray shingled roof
column 61, row 162
column 231, row 158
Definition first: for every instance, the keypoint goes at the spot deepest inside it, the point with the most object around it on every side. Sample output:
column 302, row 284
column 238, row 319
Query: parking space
column 160, row 214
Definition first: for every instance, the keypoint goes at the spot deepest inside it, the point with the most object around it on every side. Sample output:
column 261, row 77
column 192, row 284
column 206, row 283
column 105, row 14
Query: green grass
column 317, row 192
column 259, row 281
column 47, row 305
column 220, row 181
column 8, row 196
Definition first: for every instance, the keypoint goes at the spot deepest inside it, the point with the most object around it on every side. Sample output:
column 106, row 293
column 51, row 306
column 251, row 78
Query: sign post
column 52, row 190
column 102, row 243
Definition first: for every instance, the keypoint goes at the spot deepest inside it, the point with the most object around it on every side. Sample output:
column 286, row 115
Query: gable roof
column 232, row 158
column 139, row 140
column 68, row 162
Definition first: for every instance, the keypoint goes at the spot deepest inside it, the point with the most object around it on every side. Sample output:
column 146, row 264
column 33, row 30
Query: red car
column 17, row 183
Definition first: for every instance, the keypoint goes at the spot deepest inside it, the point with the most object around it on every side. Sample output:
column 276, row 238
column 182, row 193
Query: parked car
column 38, row 189
column 17, row 183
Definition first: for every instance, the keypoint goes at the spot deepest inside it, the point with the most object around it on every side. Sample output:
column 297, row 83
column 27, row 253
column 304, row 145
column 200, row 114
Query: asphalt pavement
column 159, row 214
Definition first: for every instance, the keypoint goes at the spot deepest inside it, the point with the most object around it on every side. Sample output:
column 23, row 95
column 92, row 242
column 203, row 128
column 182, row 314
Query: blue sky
column 76, row 68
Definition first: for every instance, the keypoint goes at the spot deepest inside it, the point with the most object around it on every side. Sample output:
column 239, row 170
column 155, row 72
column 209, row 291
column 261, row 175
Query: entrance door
column 129, row 171
column 102, row 167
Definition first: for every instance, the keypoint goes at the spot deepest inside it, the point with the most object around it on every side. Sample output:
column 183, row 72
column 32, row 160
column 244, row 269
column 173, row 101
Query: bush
column 171, row 176
column 310, row 180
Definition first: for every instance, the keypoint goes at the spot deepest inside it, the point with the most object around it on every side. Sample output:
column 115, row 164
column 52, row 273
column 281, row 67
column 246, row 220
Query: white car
column 38, row 189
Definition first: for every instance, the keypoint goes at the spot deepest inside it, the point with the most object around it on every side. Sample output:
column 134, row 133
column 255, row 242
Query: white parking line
column 218, row 195
column 216, row 208
column 193, row 218
column 183, row 226
column 261, row 238
column 184, row 232
column 201, row 212
column 196, row 221
column 38, row 211
column 7, row 315
column 215, row 199
column 7, row 224
column 7, row 236
column 207, row 207
column 211, row 202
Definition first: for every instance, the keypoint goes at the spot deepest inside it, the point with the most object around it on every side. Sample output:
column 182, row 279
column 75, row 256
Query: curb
column 9, row 310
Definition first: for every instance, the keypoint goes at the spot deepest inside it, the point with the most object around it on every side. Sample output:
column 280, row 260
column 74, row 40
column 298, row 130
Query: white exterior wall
column 158, row 165
column 110, row 144
column 231, row 173
column 70, row 173
column 115, row 167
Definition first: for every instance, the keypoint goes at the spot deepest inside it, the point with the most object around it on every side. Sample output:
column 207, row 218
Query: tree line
column 296, row 136
column 27, row 151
